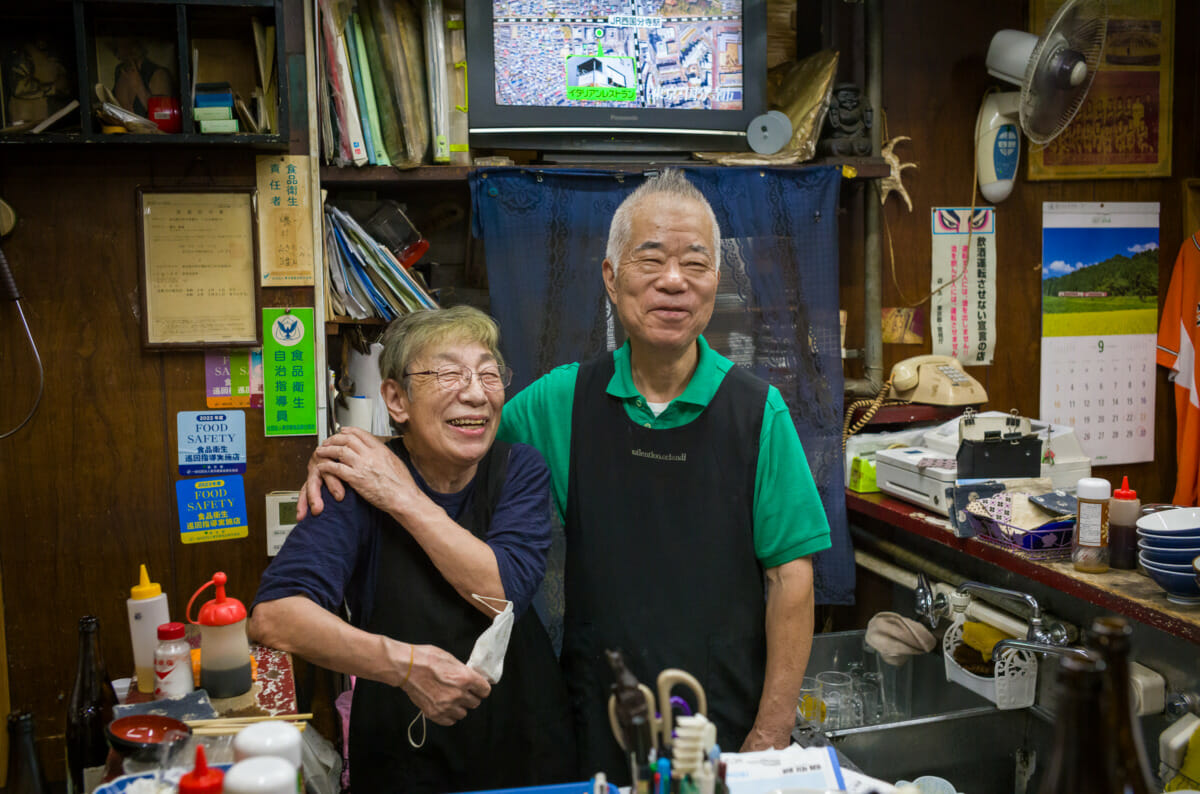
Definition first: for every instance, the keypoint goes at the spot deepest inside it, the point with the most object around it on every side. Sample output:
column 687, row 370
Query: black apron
column 660, row 558
column 518, row 736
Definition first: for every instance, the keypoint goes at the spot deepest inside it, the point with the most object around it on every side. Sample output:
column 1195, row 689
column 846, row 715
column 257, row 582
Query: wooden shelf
column 74, row 30
column 332, row 327
column 1128, row 593
column 909, row 413
column 384, row 176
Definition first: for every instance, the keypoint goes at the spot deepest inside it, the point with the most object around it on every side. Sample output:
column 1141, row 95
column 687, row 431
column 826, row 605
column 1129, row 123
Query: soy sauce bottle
column 1078, row 760
column 24, row 769
column 1111, row 636
column 88, row 712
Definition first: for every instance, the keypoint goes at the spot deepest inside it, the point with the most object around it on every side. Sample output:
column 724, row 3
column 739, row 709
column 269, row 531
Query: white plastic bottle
column 272, row 738
column 172, row 662
column 147, row 605
column 264, row 774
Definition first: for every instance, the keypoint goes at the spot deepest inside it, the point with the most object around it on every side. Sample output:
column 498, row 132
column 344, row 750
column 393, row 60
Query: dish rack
column 1014, row 685
column 1048, row 542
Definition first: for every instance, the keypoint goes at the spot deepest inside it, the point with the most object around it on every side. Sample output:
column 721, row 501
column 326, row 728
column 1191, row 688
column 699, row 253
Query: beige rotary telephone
column 935, row 380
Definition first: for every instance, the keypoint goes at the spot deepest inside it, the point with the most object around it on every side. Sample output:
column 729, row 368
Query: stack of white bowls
column 1169, row 551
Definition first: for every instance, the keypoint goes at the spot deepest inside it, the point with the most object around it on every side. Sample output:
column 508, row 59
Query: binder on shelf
column 208, row 126
column 341, row 88
column 264, row 51
column 350, row 36
column 390, row 137
column 368, row 88
column 397, row 28
column 213, row 95
column 212, row 113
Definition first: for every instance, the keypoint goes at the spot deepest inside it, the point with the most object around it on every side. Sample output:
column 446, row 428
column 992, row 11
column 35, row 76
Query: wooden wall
column 934, row 79
column 87, row 488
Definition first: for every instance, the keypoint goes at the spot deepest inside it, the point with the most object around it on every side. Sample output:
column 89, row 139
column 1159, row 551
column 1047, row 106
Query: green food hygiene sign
column 289, row 372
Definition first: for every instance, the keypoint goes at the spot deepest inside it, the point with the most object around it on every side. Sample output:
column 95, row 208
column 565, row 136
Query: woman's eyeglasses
column 457, row 378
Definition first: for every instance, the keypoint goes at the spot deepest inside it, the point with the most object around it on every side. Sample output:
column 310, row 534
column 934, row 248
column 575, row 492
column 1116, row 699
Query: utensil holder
column 1014, row 685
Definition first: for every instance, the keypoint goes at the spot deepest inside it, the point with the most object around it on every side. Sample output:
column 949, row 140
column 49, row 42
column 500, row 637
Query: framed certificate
column 199, row 267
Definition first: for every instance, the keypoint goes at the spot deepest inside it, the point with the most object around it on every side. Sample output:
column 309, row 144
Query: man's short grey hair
column 670, row 184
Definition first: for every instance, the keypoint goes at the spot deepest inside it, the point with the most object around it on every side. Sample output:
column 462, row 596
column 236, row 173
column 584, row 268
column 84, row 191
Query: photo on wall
column 35, row 79
column 135, row 68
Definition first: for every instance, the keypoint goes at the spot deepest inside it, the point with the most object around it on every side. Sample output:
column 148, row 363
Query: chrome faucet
column 1041, row 647
column 933, row 607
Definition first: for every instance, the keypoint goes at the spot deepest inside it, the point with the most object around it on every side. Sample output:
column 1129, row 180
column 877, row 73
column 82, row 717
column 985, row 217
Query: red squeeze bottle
column 202, row 779
column 1124, row 509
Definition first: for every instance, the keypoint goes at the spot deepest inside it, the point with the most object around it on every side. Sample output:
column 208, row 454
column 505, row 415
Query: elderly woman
column 436, row 517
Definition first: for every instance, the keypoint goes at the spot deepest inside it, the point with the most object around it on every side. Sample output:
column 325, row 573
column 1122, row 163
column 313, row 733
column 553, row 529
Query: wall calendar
column 1099, row 320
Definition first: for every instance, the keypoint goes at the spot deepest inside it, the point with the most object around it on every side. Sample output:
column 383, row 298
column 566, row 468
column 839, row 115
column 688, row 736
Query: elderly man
column 688, row 505
column 440, row 530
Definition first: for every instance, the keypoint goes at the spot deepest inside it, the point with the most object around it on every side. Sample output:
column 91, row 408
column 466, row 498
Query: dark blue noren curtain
column 544, row 235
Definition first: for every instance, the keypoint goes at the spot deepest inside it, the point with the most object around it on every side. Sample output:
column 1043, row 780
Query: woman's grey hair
column 410, row 336
column 670, row 184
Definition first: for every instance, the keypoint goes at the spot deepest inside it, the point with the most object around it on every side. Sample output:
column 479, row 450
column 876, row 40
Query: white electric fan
column 1054, row 72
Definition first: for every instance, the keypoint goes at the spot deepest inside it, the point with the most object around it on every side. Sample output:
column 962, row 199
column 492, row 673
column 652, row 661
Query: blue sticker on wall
column 212, row 509
column 211, row 442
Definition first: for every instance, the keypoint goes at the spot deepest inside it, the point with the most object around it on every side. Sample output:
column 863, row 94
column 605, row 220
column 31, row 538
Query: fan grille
column 1048, row 102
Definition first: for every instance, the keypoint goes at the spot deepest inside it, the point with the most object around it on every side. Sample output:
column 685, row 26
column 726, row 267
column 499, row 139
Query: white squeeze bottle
column 147, row 605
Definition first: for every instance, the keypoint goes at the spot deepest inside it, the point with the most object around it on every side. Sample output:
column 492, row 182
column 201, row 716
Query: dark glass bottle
column 1077, row 760
column 88, row 712
column 1110, row 636
column 24, row 769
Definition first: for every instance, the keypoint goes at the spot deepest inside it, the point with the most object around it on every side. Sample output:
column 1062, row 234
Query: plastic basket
column 1014, row 686
column 1047, row 542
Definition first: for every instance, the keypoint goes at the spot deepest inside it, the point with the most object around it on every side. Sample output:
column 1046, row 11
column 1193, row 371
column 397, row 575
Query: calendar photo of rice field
column 1099, row 281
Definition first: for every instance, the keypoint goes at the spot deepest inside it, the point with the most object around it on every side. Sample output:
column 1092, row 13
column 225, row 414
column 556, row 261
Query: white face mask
column 487, row 657
column 488, row 654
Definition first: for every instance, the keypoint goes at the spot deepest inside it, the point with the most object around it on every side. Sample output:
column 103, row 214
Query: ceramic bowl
column 1182, row 522
column 141, row 736
column 1169, row 567
column 1168, row 542
column 1182, row 587
column 1165, row 554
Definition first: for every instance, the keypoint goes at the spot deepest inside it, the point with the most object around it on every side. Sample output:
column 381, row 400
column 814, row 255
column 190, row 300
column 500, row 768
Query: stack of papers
column 795, row 769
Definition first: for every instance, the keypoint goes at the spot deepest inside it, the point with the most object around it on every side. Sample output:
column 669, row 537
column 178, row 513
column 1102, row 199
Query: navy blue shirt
column 333, row 558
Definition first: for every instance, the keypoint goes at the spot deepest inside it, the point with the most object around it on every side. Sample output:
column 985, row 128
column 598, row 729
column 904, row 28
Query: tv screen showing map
column 662, row 54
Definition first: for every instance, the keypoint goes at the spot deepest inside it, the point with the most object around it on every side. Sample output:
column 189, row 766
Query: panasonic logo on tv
column 615, row 117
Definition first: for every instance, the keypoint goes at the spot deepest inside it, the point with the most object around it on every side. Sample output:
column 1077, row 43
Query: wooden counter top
column 1129, row 593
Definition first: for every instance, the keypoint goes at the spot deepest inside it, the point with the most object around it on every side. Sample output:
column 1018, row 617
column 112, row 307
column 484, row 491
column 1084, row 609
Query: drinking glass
column 810, row 706
column 843, row 707
column 869, row 687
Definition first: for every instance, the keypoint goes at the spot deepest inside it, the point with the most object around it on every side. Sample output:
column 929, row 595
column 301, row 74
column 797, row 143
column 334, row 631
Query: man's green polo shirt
column 789, row 520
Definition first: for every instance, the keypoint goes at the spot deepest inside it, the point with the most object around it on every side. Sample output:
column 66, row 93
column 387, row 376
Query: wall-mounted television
column 621, row 76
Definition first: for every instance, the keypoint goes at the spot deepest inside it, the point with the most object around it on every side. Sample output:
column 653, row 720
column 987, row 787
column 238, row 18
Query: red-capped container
column 224, row 649
column 203, row 779
column 164, row 112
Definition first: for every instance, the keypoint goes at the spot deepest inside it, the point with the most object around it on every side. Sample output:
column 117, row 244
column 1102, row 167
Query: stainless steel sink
column 949, row 731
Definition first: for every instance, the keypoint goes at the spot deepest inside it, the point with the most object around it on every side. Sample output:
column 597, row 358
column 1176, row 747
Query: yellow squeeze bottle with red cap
column 224, row 649
column 147, row 607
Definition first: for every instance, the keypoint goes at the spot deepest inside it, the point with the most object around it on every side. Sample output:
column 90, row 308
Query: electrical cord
column 872, row 405
column 9, row 291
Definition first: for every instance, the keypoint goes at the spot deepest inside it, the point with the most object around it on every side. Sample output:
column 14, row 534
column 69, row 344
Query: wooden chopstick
column 223, row 721
column 226, row 730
